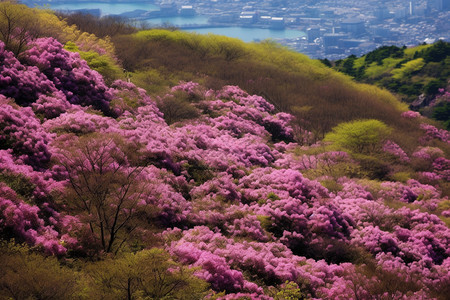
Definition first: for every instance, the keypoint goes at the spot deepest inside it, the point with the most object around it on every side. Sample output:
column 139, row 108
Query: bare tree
column 18, row 24
column 106, row 188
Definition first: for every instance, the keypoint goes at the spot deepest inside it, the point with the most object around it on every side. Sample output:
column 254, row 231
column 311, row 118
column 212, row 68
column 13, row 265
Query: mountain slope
column 419, row 75
column 197, row 192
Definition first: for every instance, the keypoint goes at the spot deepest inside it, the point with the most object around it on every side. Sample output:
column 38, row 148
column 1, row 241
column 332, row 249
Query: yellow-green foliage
column 103, row 64
column 288, row 60
column 408, row 68
column 383, row 95
column 153, row 80
column 318, row 96
column 359, row 62
column 18, row 24
column 374, row 70
column 28, row 275
column 362, row 136
column 289, row 291
column 148, row 274
column 401, row 176
column 409, row 52
column 444, row 205
column 52, row 26
column 231, row 49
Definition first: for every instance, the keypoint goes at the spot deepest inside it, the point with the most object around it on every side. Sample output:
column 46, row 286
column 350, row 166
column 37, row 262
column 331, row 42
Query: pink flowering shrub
column 21, row 220
column 22, row 132
column 306, row 230
column 284, row 184
column 79, row 122
column 192, row 89
column 277, row 125
column 172, row 207
column 428, row 153
column 28, row 183
column 51, row 106
column 248, row 226
column 410, row 114
column 271, row 263
column 432, row 132
column 23, row 83
column 69, row 74
column 353, row 190
column 394, row 149
column 441, row 167
column 126, row 97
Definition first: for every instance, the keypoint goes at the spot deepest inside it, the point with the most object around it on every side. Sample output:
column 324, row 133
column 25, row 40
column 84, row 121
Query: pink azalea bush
column 432, row 132
column 410, row 114
column 69, row 74
column 23, row 221
column 394, row 149
column 22, row 132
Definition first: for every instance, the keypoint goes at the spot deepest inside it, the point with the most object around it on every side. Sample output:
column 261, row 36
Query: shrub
column 28, row 275
column 363, row 136
column 148, row 274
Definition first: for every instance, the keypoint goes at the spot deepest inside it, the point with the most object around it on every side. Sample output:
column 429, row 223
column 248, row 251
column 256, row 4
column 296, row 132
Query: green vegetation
column 407, row 72
column 363, row 136
column 103, row 64
column 148, row 274
column 29, row 275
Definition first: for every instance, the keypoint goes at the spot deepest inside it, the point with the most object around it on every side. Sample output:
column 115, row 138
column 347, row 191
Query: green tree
column 290, row 291
column 442, row 113
column 362, row 136
column 148, row 274
column 28, row 275
column 18, row 24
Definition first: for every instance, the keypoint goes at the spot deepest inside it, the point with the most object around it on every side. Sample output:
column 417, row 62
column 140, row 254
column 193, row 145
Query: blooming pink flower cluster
column 438, row 165
column 51, row 106
column 188, row 87
column 410, row 114
column 22, row 132
column 79, row 122
column 69, row 74
column 23, row 83
column 432, row 132
column 394, row 149
column 22, row 221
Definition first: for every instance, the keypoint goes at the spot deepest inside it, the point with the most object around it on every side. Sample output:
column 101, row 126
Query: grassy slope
column 320, row 97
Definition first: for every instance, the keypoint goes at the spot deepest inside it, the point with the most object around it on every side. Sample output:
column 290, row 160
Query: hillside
column 419, row 75
column 209, row 169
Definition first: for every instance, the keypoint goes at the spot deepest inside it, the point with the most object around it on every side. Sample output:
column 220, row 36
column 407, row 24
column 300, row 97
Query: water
column 179, row 21
column 105, row 8
column 244, row 33
column 252, row 34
